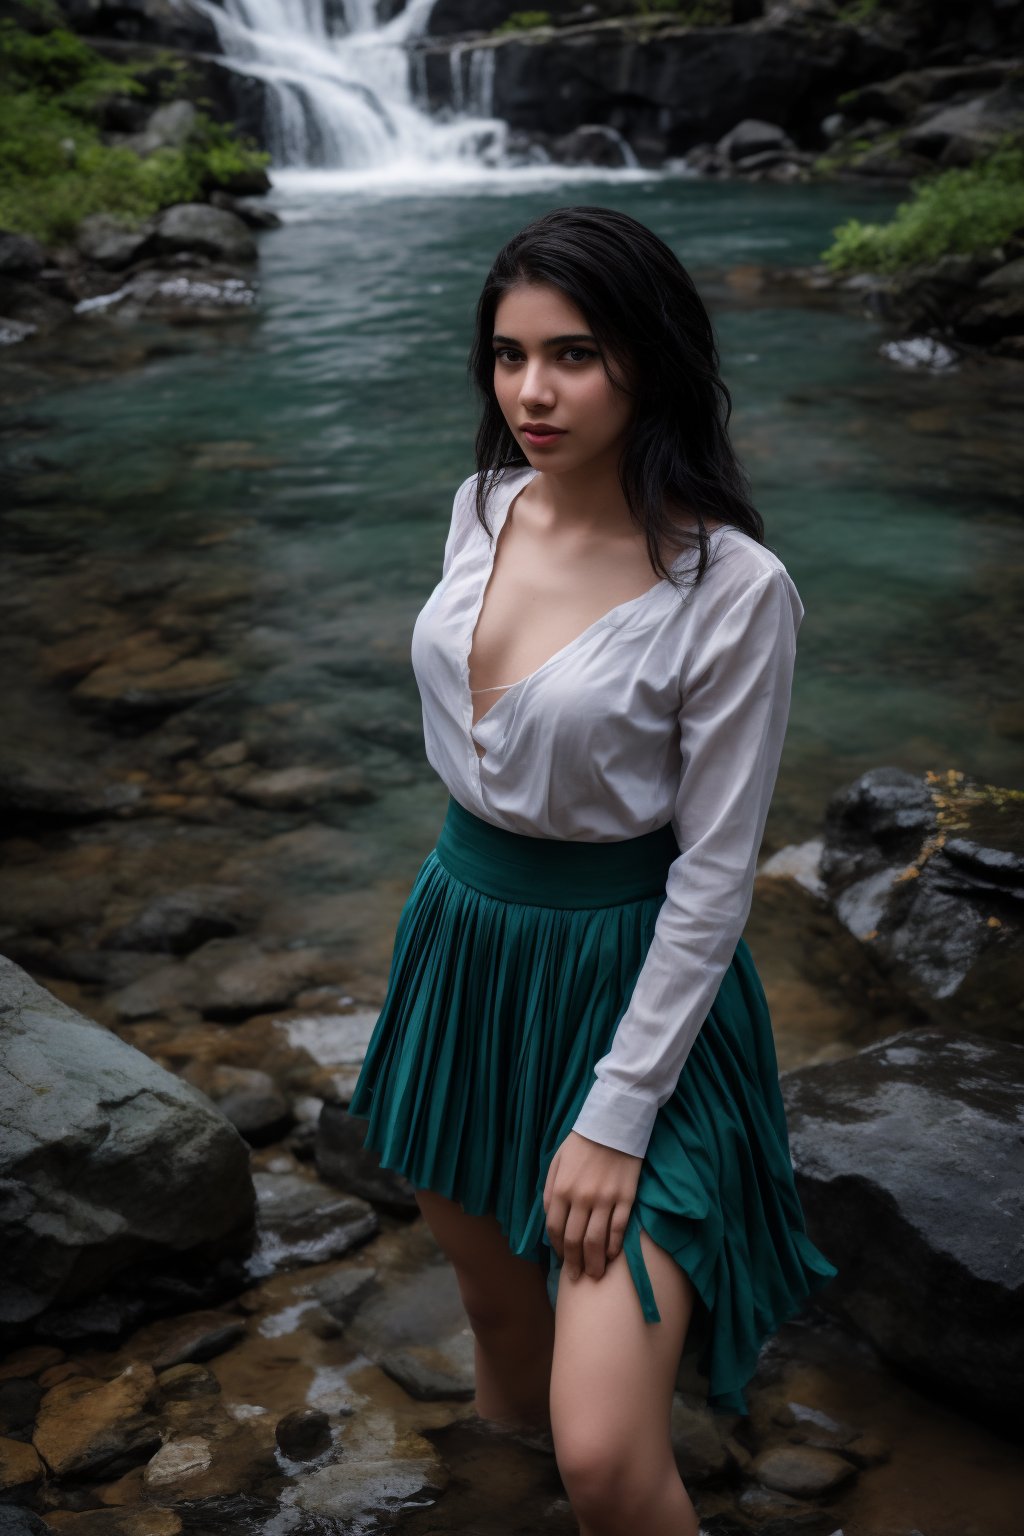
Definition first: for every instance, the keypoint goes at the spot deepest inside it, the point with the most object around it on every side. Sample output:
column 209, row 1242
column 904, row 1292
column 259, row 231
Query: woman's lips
column 544, row 435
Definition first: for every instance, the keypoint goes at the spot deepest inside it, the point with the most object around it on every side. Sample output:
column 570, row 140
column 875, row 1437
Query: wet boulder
column 928, row 872
column 110, row 1167
column 199, row 228
column 910, row 1166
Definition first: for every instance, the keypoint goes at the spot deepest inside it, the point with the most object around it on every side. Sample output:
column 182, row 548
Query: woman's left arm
column 733, row 712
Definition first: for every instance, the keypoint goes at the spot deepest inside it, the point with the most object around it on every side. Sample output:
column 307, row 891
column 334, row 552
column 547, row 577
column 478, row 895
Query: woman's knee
column 607, row 1475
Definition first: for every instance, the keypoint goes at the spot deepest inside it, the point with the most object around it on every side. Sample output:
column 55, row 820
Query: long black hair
column 645, row 313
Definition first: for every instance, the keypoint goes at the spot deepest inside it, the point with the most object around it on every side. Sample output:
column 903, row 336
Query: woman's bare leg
column 507, row 1303
column 613, row 1375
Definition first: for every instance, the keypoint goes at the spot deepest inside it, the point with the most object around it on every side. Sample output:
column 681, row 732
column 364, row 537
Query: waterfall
column 337, row 92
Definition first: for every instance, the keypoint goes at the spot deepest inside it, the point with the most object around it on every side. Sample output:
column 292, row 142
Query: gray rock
column 253, row 1103
column 593, row 144
column 902, row 96
column 13, row 331
column 925, row 900
column 39, row 782
column 169, row 127
column 185, row 294
column 106, row 1160
column 802, row 1470
column 963, row 132
column 251, row 213
column 177, row 922
column 341, row 1293
column 761, row 1504
column 225, row 979
column 1010, row 276
column 415, row 1307
column 381, row 1472
column 301, row 1222
column 665, row 88
column 198, row 227
column 342, row 1159
column 20, row 255
column 113, row 243
column 433, row 1372
column 699, row 1440
column 910, row 1164
column 751, row 136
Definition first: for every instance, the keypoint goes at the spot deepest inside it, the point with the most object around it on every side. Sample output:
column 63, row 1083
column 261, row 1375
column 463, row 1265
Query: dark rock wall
column 668, row 90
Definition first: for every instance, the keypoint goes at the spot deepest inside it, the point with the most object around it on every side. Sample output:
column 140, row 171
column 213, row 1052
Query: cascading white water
column 341, row 99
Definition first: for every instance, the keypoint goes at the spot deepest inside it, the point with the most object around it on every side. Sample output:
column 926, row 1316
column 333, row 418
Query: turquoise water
column 304, row 458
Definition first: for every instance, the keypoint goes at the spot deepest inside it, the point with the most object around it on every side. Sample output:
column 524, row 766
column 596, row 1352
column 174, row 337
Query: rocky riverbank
column 230, row 1310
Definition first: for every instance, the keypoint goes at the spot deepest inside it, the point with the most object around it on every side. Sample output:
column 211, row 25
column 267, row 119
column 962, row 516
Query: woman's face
column 548, row 372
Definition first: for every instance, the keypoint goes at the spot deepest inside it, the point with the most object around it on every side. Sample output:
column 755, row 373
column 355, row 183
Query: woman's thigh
column 499, row 1288
column 613, row 1373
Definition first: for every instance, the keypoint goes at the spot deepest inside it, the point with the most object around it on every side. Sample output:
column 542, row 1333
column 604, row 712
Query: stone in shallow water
column 302, row 1221
column 304, row 1434
column 432, row 1372
column 340, row 1294
column 381, row 1472
column 87, row 1427
column 415, row 1307
column 802, row 1470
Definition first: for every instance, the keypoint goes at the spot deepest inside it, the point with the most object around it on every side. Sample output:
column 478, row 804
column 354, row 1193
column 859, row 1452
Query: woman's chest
column 610, row 691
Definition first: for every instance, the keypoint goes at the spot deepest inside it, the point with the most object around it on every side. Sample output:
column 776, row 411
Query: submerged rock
column 802, row 1470
column 910, row 1162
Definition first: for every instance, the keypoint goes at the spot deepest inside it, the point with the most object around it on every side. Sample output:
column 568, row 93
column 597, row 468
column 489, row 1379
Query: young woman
column 574, row 1063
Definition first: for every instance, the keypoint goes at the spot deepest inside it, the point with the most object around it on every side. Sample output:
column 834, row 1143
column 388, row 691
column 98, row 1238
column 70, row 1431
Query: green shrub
column 54, row 166
column 958, row 210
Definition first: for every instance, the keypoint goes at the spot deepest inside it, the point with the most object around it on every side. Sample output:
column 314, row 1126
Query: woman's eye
column 500, row 353
column 582, row 353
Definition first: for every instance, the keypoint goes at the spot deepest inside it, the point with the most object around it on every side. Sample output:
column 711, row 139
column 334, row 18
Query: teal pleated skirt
column 514, row 959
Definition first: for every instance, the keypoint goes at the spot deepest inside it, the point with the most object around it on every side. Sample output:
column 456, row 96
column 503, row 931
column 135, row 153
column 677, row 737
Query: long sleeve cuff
column 618, row 1118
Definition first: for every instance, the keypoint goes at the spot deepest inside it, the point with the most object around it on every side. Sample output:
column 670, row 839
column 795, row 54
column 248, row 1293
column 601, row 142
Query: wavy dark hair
column 647, row 317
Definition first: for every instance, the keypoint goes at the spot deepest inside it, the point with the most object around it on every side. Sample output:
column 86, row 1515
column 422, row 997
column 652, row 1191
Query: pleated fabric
column 514, row 959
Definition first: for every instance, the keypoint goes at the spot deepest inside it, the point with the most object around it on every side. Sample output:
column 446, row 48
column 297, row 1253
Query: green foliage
column 525, row 21
column 54, row 166
column 958, row 210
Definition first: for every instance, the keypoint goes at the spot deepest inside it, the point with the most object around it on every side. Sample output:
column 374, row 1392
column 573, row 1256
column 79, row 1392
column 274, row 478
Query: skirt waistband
column 553, row 872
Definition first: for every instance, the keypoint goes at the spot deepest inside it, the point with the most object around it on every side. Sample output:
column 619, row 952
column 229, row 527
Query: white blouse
column 670, row 707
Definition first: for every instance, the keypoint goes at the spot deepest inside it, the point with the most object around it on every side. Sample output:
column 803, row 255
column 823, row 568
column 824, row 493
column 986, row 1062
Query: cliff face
column 665, row 88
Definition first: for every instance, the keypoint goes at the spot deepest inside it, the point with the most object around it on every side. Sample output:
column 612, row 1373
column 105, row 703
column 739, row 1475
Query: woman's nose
column 537, row 386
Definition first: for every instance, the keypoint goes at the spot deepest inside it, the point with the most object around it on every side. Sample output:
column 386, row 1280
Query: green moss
column 54, row 165
column 959, row 210
column 525, row 21
column 697, row 13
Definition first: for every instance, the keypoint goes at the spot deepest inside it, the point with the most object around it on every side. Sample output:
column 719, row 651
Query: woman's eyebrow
column 552, row 341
